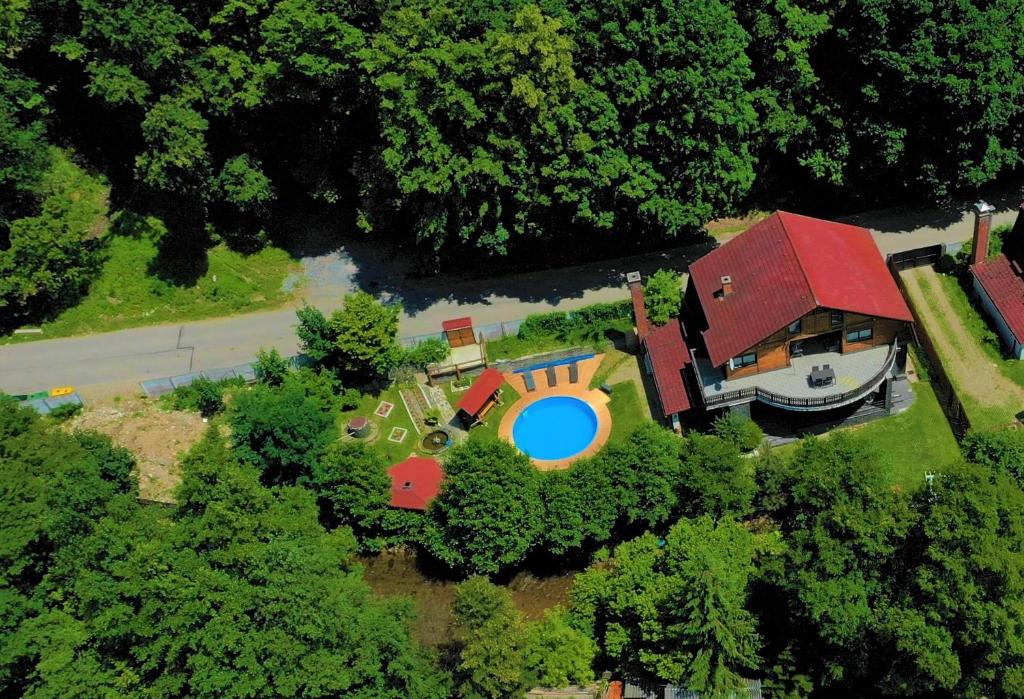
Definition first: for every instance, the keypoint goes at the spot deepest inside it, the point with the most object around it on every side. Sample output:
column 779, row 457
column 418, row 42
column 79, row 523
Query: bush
column 663, row 294
column 203, row 395
column 740, row 431
column 592, row 320
column 270, row 367
column 427, row 352
column 350, row 399
column 65, row 411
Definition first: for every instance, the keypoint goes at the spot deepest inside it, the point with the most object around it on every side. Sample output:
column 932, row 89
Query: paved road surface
column 115, row 362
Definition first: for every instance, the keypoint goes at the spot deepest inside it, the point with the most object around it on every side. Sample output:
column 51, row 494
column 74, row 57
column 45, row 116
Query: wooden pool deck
column 595, row 399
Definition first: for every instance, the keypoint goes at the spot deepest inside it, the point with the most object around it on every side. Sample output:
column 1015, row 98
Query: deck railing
column 784, row 401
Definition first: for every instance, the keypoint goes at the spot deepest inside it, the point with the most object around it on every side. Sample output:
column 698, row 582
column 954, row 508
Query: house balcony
column 857, row 375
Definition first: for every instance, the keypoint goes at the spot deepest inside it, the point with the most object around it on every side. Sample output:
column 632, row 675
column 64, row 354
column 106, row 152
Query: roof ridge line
column 796, row 254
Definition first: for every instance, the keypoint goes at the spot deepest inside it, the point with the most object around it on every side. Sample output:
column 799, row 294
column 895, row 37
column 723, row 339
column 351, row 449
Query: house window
column 859, row 335
column 794, row 327
column 836, row 318
column 744, row 360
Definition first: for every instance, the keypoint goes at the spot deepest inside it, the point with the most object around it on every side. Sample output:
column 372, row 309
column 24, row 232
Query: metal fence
column 45, row 405
column 158, row 387
column 490, row 331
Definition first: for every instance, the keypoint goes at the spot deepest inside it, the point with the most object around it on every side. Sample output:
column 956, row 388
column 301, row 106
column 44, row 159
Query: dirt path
column 965, row 359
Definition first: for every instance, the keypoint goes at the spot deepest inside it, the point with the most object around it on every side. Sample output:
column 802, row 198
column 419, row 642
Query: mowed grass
column 393, row 452
column 135, row 289
column 626, row 410
column 917, row 441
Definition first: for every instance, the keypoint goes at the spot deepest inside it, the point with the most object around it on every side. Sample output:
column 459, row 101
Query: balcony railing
column 783, row 401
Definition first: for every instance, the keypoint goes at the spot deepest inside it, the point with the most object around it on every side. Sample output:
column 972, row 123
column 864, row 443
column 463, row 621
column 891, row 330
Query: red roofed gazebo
column 480, row 397
column 415, row 482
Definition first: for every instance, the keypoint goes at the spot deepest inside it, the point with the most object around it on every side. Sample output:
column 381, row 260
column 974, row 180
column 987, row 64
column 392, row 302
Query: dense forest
column 486, row 126
column 808, row 570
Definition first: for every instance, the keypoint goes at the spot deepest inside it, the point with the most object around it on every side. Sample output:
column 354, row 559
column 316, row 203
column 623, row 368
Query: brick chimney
column 636, row 293
column 726, row 285
column 982, row 226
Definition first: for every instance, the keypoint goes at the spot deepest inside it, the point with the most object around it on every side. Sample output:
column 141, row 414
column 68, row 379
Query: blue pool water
column 555, row 428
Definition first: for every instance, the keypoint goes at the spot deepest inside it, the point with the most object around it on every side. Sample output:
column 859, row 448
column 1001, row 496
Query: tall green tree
column 365, row 337
column 663, row 293
column 488, row 514
column 282, row 432
column 674, row 75
column 678, row 610
column 355, row 489
column 240, row 593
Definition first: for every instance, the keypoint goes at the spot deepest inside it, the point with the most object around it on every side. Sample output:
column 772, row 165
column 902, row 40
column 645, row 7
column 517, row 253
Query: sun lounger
column 552, row 379
column 528, row 380
column 574, row 373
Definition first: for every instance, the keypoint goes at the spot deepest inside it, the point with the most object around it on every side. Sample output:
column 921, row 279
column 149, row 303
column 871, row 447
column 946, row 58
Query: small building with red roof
column 415, row 482
column 480, row 397
column 999, row 280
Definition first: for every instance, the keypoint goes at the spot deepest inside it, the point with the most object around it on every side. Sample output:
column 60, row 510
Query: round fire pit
column 358, row 426
column 435, row 442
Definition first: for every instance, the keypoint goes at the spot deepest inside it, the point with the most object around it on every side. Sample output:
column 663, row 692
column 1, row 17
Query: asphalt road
column 115, row 362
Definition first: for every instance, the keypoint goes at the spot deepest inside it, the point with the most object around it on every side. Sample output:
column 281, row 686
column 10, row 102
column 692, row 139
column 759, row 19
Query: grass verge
column 136, row 288
column 627, row 413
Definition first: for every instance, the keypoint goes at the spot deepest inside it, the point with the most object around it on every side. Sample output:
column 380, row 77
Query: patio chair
column 552, row 379
column 528, row 380
column 574, row 373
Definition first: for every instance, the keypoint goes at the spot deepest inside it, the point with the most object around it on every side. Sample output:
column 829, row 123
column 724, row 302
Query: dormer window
column 407, row 485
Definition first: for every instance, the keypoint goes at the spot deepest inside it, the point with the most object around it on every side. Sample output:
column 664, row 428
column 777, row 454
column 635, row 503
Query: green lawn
column 912, row 443
column 399, row 417
column 625, row 407
column 136, row 288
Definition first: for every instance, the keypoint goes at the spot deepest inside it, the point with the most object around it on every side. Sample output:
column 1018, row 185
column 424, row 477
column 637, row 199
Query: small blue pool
column 555, row 428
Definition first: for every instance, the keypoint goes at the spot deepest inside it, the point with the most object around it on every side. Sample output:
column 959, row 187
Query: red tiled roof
column 783, row 268
column 636, row 294
column 456, row 323
column 1005, row 287
column 483, row 388
column 415, row 482
column 669, row 355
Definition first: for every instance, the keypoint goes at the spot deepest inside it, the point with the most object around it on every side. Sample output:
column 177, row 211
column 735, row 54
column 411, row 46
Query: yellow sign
column 61, row 391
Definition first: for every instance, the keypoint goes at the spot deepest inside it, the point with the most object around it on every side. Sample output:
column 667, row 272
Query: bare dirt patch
column 156, row 437
column 965, row 359
column 396, row 573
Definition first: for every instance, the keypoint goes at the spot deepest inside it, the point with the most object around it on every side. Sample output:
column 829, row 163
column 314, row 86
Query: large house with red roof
column 796, row 314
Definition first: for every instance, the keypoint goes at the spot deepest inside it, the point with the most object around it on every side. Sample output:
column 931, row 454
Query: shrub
column 740, row 431
column 555, row 323
column 350, row 399
column 203, row 395
column 270, row 367
column 427, row 352
column 663, row 295
column 65, row 411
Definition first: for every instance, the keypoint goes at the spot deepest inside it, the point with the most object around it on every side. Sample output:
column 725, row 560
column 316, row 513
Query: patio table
column 823, row 377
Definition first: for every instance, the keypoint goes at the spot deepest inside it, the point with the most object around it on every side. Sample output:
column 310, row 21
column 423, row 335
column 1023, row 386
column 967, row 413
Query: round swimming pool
column 555, row 428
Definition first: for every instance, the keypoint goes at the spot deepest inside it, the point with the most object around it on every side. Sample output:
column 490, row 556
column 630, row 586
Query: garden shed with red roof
column 481, row 397
column 415, row 482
